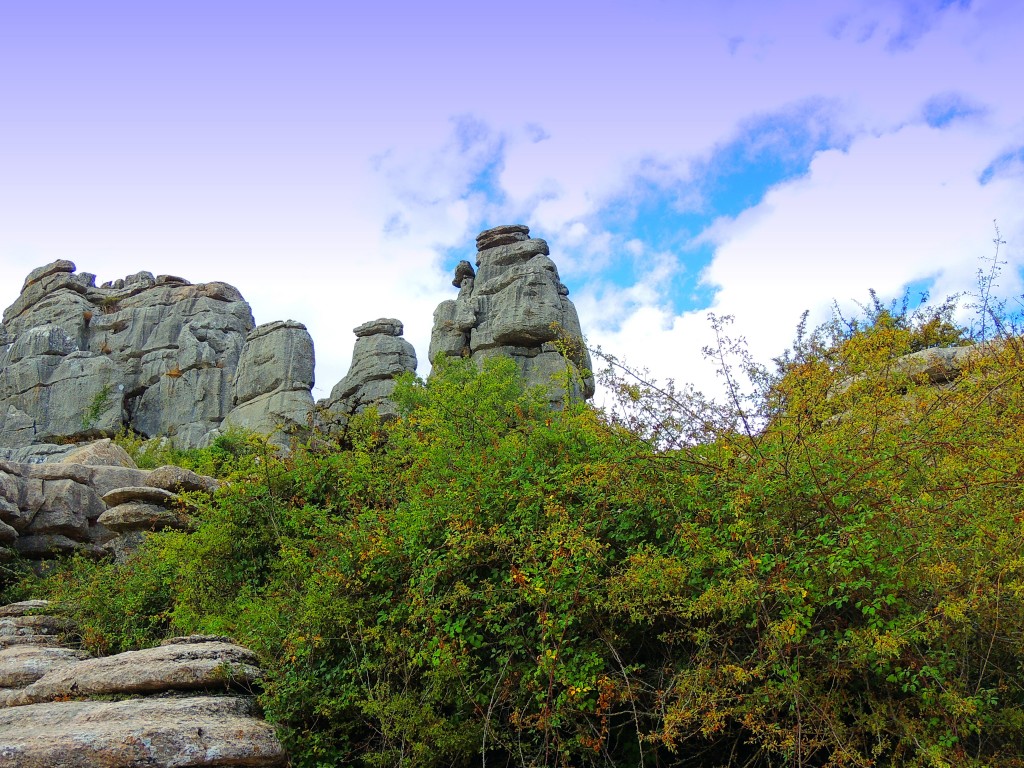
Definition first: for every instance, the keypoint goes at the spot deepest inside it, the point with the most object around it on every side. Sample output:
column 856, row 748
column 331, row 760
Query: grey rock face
column 276, row 356
column 273, row 381
column 55, row 509
column 380, row 353
column 157, row 355
column 515, row 305
column 171, row 720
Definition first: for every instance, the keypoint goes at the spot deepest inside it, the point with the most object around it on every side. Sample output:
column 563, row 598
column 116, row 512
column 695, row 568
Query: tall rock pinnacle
column 515, row 305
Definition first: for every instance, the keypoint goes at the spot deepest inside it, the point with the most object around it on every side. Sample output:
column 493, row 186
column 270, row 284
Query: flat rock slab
column 9, row 641
column 21, row 665
column 24, row 608
column 30, row 625
column 139, row 733
column 142, row 516
column 187, row 666
column 177, row 479
column 101, row 453
column 140, row 493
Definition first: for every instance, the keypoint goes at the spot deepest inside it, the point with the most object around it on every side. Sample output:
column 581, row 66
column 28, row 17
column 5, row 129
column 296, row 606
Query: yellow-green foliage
column 225, row 453
column 827, row 574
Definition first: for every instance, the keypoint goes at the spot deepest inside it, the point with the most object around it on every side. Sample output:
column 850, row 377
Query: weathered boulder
column 21, row 665
column 215, row 666
column 277, row 357
column 515, row 305
column 272, row 387
column 379, row 355
column 142, row 493
column 938, row 365
column 142, row 516
column 179, row 731
column 503, row 235
column 103, row 479
column 179, row 479
column 100, row 453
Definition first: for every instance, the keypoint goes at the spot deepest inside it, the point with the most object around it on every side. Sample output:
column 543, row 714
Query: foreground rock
column 189, row 731
column 191, row 708
column 209, row 665
column 515, row 305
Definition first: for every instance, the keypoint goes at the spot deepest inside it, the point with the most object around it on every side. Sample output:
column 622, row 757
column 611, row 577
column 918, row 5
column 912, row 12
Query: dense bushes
column 829, row 573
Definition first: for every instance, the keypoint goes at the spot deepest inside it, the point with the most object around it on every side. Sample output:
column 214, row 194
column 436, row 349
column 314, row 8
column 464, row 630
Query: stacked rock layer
column 380, row 354
column 95, row 503
column 190, row 701
column 516, row 305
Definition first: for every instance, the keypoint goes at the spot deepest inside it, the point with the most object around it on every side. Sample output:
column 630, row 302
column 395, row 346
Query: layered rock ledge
column 187, row 702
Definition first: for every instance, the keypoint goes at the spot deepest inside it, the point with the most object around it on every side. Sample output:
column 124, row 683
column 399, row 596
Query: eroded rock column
column 514, row 304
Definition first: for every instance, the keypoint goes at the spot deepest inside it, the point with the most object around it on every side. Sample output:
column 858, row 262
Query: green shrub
column 826, row 572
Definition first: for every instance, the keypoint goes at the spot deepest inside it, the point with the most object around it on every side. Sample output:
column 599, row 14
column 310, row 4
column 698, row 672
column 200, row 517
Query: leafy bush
column 825, row 571
column 225, row 454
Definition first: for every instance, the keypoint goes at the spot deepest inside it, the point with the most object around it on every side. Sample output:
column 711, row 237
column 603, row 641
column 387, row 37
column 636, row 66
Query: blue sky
column 335, row 160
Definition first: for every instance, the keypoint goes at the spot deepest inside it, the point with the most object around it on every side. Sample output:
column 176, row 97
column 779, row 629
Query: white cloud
column 891, row 210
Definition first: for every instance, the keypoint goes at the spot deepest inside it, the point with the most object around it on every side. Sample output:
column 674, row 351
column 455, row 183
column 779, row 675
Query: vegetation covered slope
column 827, row 572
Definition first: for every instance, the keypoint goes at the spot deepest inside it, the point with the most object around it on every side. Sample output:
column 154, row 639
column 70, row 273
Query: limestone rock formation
column 134, row 510
column 273, row 381
column 157, row 354
column 380, row 354
column 178, row 715
column 166, row 358
column 91, row 509
column 516, row 305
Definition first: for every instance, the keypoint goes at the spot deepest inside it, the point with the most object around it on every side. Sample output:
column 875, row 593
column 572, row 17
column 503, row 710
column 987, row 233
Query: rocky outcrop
column 515, row 305
column 273, row 382
column 158, row 355
column 162, row 357
column 155, row 354
column 380, row 354
column 96, row 508
column 191, row 704
column 935, row 367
